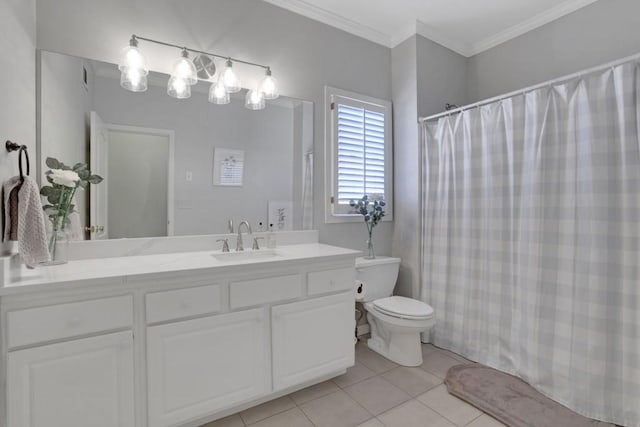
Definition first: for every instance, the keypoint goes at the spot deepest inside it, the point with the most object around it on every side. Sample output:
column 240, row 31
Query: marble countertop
column 46, row 277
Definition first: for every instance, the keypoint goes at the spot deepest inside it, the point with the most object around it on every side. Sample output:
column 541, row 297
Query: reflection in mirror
column 157, row 153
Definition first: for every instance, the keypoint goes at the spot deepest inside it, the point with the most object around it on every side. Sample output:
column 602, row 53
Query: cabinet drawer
column 179, row 303
column 340, row 279
column 264, row 291
column 41, row 324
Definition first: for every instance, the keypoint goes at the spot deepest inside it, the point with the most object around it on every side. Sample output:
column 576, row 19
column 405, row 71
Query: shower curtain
column 531, row 235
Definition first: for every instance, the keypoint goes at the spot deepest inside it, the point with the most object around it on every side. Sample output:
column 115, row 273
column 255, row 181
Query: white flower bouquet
column 64, row 181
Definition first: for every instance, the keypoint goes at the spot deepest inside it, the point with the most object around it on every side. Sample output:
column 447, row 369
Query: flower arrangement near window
column 372, row 211
column 65, row 181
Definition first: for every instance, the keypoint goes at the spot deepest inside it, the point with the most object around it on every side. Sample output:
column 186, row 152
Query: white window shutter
column 360, row 159
column 359, row 153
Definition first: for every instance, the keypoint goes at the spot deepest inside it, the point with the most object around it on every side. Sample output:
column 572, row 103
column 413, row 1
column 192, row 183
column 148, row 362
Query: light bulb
column 133, row 80
column 178, row 88
column 218, row 94
column 231, row 82
column 254, row 100
column 132, row 58
column 184, row 69
column 269, row 86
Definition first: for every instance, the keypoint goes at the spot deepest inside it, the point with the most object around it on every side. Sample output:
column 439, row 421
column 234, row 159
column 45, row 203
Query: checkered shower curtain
column 531, row 229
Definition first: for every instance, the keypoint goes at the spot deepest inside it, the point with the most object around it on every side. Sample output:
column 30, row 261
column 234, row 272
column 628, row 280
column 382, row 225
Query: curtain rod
column 532, row 88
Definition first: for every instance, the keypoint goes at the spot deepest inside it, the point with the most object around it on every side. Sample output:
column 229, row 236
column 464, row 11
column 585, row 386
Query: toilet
column 396, row 322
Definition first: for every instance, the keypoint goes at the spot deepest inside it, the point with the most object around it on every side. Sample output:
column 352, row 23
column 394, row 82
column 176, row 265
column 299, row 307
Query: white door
column 99, row 158
column 312, row 338
column 86, row 382
column 198, row 367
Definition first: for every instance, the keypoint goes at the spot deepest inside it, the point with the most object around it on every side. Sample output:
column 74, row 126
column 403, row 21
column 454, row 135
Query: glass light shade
column 254, row 100
column 269, row 86
column 229, row 79
column 133, row 80
column 132, row 58
column 178, row 88
column 218, row 94
column 183, row 69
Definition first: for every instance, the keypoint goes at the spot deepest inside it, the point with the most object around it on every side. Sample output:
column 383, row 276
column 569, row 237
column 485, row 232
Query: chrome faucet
column 239, row 245
column 225, row 244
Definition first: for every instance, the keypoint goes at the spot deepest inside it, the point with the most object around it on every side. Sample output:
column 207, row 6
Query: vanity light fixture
column 178, row 88
column 133, row 68
column 133, row 79
column 231, row 82
column 184, row 74
column 254, row 100
column 184, row 69
column 269, row 86
column 218, row 94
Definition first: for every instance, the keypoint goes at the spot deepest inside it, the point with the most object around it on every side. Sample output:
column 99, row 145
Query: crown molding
column 432, row 34
column 316, row 13
column 324, row 16
column 537, row 21
column 403, row 34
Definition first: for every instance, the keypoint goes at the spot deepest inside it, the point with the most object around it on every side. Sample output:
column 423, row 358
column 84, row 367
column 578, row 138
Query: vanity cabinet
column 56, row 377
column 197, row 367
column 79, row 383
column 312, row 338
column 176, row 347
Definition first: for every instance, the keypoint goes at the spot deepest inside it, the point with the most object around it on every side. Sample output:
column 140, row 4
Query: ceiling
column 465, row 26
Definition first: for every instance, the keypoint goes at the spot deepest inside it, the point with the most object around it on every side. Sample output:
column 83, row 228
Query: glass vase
column 58, row 247
column 370, row 252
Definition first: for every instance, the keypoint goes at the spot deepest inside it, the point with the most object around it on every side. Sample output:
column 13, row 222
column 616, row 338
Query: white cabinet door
column 312, row 338
column 86, row 382
column 198, row 367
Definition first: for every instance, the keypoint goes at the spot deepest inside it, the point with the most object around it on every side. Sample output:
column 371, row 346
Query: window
column 358, row 153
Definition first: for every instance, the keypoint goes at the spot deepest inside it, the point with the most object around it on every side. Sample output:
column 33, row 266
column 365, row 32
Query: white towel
column 32, row 235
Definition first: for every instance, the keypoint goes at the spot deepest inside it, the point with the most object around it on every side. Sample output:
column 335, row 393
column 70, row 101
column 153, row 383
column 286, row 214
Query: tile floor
column 374, row 393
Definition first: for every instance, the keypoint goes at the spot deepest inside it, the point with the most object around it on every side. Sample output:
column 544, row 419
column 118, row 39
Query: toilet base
column 397, row 339
column 403, row 349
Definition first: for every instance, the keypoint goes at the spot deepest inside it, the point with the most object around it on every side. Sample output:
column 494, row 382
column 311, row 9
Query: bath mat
column 511, row 400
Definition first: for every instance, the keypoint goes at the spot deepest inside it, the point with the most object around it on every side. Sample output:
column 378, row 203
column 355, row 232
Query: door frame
column 170, row 166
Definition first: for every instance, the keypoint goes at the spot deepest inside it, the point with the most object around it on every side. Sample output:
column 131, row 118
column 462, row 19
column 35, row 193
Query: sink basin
column 247, row 255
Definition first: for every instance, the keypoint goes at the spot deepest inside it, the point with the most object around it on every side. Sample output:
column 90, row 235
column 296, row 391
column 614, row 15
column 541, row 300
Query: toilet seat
column 404, row 308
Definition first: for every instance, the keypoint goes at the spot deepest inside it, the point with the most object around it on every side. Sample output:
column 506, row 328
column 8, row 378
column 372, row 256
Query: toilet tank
column 378, row 276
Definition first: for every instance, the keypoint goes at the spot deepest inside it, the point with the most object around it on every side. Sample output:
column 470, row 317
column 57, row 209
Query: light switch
column 189, row 176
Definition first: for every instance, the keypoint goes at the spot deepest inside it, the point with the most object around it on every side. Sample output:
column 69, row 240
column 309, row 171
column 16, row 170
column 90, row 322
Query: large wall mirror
column 172, row 167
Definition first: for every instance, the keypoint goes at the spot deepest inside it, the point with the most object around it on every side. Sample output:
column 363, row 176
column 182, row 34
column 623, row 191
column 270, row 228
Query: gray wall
column 425, row 76
column 305, row 56
column 442, row 77
column 65, row 104
column 200, row 207
column 17, row 74
column 406, row 166
column 599, row 33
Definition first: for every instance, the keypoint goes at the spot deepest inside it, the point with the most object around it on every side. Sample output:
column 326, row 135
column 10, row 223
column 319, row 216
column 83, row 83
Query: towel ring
column 12, row 146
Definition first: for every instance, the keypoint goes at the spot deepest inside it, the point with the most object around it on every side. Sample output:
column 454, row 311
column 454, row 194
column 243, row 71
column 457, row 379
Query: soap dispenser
column 271, row 237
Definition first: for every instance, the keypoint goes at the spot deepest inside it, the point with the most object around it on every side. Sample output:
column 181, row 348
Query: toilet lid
column 404, row 307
